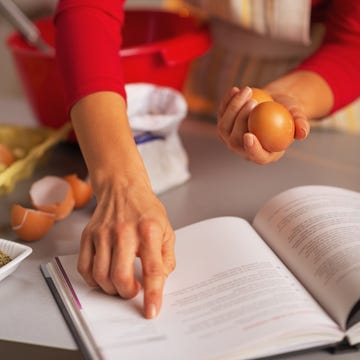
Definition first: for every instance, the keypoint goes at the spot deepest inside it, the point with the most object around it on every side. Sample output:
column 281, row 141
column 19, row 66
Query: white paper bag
column 155, row 113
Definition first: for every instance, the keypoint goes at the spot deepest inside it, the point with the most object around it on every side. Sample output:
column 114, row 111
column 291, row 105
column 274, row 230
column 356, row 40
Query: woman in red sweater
column 129, row 220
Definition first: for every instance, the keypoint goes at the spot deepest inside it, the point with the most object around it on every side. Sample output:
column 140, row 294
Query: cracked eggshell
column 52, row 194
column 82, row 190
column 30, row 224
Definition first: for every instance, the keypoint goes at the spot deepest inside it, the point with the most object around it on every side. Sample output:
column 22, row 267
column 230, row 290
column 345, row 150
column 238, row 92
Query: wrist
column 106, row 141
column 308, row 89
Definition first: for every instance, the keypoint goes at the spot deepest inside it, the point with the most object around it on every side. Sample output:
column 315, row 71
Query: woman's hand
column 304, row 93
column 129, row 221
column 232, row 127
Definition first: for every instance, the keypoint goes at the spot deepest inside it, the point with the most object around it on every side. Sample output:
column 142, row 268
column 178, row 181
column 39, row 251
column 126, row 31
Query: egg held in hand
column 273, row 125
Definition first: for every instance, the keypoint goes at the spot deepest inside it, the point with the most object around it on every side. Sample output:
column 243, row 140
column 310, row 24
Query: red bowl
column 153, row 52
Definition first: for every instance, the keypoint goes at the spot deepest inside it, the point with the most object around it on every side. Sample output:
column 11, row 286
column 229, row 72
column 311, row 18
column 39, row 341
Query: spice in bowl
column 4, row 259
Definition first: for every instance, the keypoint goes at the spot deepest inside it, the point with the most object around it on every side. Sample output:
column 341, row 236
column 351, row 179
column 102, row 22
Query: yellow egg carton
column 28, row 144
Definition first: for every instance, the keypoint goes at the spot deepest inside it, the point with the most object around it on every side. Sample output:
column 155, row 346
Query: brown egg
column 260, row 95
column 6, row 155
column 82, row 190
column 54, row 195
column 30, row 224
column 273, row 125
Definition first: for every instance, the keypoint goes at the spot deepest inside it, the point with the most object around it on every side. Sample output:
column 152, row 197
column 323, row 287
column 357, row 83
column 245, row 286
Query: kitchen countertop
column 221, row 184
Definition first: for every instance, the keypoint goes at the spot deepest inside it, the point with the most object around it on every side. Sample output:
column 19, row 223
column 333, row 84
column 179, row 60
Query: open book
column 287, row 282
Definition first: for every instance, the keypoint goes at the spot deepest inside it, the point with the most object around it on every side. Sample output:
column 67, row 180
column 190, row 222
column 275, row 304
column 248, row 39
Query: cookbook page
column 315, row 231
column 228, row 293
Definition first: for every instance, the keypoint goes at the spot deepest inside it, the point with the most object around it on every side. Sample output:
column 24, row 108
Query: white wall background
column 9, row 83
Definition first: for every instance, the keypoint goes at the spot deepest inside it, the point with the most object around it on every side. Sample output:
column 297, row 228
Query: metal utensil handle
column 24, row 25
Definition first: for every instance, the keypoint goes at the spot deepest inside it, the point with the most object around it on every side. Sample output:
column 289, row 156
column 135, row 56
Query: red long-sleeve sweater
column 338, row 58
column 88, row 40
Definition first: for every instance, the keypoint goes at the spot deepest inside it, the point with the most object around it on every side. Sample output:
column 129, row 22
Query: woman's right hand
column 129, row 220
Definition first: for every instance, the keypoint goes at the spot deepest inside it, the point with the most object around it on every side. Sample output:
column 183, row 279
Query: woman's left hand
column 232, row 127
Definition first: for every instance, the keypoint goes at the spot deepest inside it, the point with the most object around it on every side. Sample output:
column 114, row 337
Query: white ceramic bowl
column 17, row 252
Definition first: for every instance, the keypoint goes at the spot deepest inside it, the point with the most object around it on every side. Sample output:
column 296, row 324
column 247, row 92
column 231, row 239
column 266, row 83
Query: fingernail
column 151, row 311
column 249, row 140
column 303, row 132
column 247, row 91
column 252, row 104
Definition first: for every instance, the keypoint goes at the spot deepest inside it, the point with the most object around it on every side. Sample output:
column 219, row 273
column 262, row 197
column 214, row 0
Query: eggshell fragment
column 30, row 224
column 260, row 95
column 54, row 195
column 82, row 190
column 6, row 155
column 273, row 125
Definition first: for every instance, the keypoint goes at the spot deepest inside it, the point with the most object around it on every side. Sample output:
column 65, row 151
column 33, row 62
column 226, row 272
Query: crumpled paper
column 155, row 113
